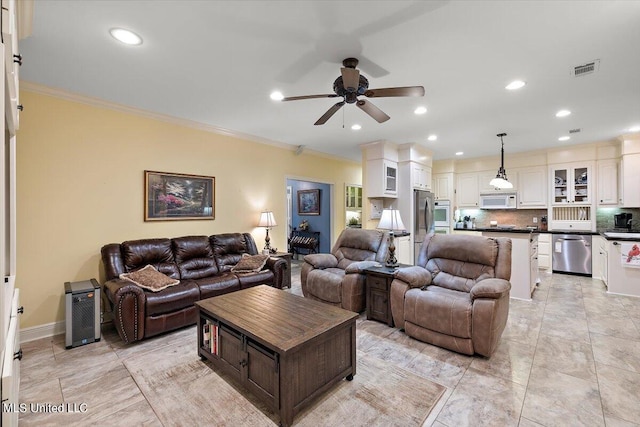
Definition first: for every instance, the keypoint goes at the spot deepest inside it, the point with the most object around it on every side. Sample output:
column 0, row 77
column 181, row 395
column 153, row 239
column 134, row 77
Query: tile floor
column 570, row 357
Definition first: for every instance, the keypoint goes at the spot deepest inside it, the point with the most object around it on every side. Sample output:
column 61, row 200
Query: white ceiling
column 216, row 62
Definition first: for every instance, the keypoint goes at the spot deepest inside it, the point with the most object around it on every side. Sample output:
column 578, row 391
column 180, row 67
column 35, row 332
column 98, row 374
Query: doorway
column 317, row 217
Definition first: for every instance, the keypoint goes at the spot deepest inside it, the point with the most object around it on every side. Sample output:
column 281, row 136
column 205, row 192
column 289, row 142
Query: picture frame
column 309, row 202
column 177, row 196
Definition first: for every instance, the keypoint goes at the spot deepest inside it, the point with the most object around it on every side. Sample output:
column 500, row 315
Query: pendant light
column 501, row 181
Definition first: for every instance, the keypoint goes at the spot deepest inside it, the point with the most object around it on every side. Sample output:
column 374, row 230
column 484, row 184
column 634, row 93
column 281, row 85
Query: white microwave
column 498, row 201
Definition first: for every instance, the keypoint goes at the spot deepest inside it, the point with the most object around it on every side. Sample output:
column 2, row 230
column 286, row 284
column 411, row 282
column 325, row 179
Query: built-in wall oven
column 442, row 213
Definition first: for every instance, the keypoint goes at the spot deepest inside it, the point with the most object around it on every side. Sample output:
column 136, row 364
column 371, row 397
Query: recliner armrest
column 414, row 276
column 490, row 288
column 321, row 261
column 128, row 308
column 360, row 266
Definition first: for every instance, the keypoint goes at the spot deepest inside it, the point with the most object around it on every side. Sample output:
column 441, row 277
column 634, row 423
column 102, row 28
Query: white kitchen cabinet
column 532, row 187
column 403, row 250
column 467, row 191
column 465, row 231
column 382, row 178
column 443, row 186
column 353, row 197
column 524, row 266
column 598, row 256
column 544, row 251
column 607, row 181
column 12, row 62
column 571, row 183
column 420, row 176
column 620, row 278
column 631, row 180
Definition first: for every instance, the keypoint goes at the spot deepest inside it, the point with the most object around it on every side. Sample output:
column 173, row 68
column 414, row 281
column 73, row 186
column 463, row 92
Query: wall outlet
column 535, row 220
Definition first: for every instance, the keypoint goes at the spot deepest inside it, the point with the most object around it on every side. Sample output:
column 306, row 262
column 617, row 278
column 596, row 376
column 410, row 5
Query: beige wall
column 80, row 186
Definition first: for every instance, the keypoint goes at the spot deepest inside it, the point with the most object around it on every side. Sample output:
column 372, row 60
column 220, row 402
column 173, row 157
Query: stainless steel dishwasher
column 572, row 254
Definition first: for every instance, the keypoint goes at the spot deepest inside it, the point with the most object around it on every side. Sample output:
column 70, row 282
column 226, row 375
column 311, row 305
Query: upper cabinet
column 12, row 62
column 353, row 197
column 468, row 195
column 382, row 178
column 631, row 180
column 532, row 187
column 571, row 183
column 442, row 186
column 608, row 180
column 420, row 176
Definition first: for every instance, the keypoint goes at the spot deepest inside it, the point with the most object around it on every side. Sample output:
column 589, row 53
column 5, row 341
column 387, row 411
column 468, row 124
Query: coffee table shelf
column 283, row 348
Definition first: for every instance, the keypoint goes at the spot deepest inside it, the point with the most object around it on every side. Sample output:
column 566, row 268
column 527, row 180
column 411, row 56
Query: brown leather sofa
column 337, row 278
column 202, row 264
column 457, row 296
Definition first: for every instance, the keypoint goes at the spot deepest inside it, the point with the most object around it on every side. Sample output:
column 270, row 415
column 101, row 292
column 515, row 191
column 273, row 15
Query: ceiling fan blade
column 395, row 91
column 297, row 98
column 330, row 112
column 350, row 78
column 379, row 115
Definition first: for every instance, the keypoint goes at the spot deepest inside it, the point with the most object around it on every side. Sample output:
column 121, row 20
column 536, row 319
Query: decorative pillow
column 250, row 263
column 150, row 278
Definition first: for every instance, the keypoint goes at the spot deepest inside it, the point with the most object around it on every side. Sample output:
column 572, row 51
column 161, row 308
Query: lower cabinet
column 403, row 250
column 544, row 251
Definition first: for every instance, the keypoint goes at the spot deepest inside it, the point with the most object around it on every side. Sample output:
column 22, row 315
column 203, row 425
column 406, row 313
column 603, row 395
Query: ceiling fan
column 352, row 84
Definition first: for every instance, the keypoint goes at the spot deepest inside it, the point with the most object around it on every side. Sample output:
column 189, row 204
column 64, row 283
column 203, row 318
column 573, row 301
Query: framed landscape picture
column 309, row 202
column 173, row 196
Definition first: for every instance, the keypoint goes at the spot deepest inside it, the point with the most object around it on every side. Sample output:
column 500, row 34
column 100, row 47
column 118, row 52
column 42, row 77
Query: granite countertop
column 505, row 230
column 622, row 239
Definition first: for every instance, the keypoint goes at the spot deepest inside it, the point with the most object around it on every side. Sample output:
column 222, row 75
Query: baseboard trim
column 42, row 331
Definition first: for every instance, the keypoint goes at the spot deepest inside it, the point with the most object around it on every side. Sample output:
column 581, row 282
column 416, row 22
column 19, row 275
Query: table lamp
column 267, row 221
column 391, row 221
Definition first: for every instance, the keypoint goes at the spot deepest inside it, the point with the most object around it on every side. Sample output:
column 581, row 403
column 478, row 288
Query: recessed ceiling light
column 277, row 96
column 356, row 127
column 459, row 153
column 563, row 113
column 634, row 129
column 420, row 110
column 432, row 137
column 126, row 36
column 564, row 138
column 516, row 84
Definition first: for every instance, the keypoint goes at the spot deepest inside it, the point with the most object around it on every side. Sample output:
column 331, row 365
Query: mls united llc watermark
column 47, row 408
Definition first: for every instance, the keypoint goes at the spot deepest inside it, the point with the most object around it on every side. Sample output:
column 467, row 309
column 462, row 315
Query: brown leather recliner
column 457, row 296
column 337, row 278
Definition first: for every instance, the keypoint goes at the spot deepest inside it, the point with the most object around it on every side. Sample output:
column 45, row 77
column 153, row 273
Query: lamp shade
column 500, row 182
column 267, row 219
column 391, row 220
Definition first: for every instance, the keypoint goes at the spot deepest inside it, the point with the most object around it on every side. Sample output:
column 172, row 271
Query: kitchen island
column 620, row 259
column 524, row 258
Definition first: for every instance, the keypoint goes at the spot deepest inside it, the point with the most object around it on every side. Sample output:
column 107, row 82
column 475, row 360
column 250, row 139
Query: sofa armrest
column 280, row 274
column 128, row 305
column 321, row 261
column 360, row 266
column 414, row 276
column 490, row 288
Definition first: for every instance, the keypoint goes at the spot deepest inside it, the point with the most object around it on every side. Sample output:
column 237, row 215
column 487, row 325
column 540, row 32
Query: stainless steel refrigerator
column 423, row 223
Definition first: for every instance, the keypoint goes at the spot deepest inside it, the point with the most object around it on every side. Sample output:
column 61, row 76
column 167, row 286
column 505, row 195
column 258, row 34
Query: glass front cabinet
column 571, row 184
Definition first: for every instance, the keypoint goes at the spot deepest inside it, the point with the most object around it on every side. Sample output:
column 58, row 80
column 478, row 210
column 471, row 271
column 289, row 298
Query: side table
column 286, row 282
column 378, row 287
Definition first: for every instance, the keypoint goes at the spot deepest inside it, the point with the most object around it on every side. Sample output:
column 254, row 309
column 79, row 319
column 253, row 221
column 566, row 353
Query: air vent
column 584, row 69
column 576, row 130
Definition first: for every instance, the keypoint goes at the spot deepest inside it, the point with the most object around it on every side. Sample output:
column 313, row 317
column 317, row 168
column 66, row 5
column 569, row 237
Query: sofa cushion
column 439, row 309
column 194, row 257
column 171, row 299
column 326, row 285
column 149, row 278
column 220, row 284
column 250, row 263
column 263, row 277
column 228, row 248
column 157, row 252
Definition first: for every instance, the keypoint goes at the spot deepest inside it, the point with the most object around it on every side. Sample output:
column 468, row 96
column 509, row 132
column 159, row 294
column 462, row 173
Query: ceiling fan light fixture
column 514, row 85
column 563, row 113
column 126, row 36
column 276, row 96
column 356, row 127
column 432, row 137
column 501, row 180
column 420, row 110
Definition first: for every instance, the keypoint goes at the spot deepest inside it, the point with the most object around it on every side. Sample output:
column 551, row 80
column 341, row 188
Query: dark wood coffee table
column 285, row 349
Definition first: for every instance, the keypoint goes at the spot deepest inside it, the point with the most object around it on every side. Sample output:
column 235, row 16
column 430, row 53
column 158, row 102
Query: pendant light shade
column 501, row 181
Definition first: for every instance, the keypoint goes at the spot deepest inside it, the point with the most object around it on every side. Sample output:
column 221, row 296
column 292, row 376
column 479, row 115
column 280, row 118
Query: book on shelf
column 214, row 338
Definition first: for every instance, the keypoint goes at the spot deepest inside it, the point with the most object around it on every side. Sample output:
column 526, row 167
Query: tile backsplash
column 524, row 217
